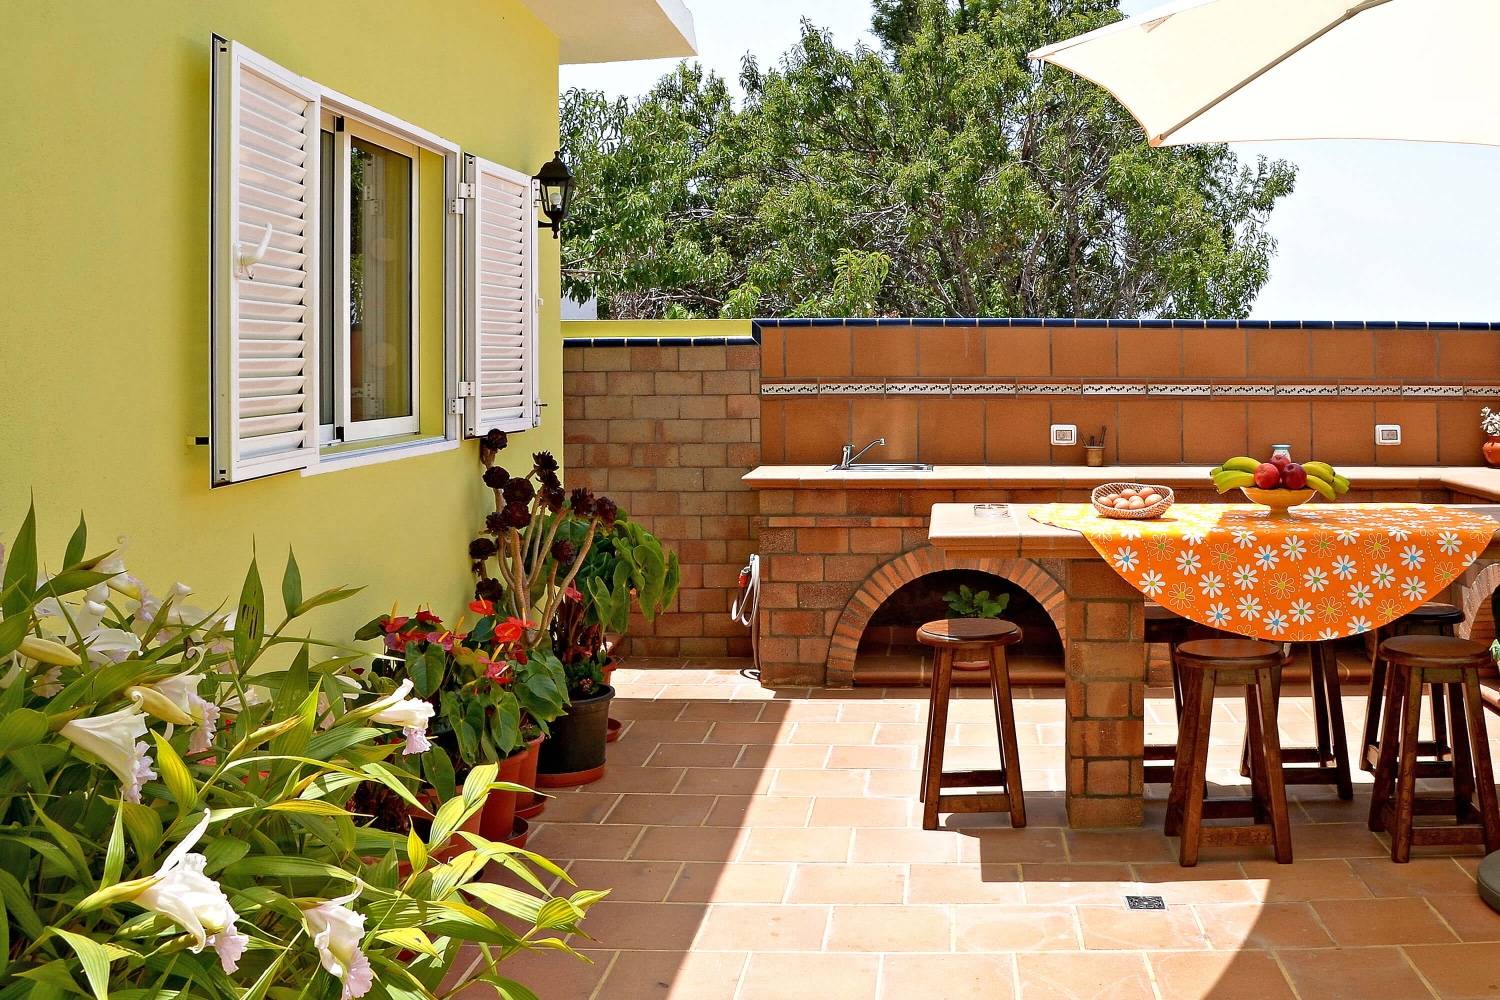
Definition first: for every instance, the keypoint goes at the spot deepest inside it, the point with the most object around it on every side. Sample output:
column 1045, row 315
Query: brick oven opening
column 890, row 656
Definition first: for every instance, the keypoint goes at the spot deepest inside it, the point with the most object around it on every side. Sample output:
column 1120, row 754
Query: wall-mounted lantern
column 556, row 184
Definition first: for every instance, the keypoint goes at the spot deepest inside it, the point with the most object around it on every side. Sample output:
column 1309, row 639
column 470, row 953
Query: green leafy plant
column 966, row 602
column 175, row 792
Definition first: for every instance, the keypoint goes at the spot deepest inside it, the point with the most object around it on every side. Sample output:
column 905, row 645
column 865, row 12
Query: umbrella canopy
column 1245, row 70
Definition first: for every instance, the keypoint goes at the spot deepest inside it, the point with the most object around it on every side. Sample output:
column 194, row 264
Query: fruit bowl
column 1279, row 501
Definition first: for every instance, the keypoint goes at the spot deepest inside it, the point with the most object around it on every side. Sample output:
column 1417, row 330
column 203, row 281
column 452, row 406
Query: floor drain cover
column 1145, row 903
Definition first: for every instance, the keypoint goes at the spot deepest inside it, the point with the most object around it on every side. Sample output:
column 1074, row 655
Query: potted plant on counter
column 1489, row 422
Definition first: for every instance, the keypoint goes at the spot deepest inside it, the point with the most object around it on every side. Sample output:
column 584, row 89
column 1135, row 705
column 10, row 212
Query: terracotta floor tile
column 746, row 732
column 833, row 810
column 1248, row 975
column 893, row 784
column 796, row 781
column 721, row 711
column 875, row 758
column 795, row 844
column 782, row 755
column 640, row 708
column 631, row 881
column 901, row 734
column 560, row 976
column 964, row 883
column 687, row 843
column 578, row 807
column 661, row 810
column 845, row 883
column 828, row 977
column 724, row 781
column 665, row 731
column 904, row 846
column 708, row 882
column 890, row 928
column 570, row 841
column 772, row 928
column 1336, row 840
column 759, row 810
column 660, row 780
column 834, row 733
column 883, row 711
column 1084, row 976
column 1076, row 883
column 1115, row 928
column 1354, row 922
column 1206, row 882
column 948, row 977
column 1459, row 971
column 1002, row 928
column 1259, row 926
column 1418, row 877
column 695, row 755
column 1469, row 916
column 1123, row 845
column 626, row 925
column 697, row 975
column 1031, row 844
column 1303, row 880
column 1353, row 974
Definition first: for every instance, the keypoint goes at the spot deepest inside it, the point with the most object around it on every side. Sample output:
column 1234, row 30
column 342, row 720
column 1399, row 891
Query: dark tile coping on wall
column 1025, row 321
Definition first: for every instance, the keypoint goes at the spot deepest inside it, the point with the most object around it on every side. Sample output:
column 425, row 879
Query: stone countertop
column 1474, row 481
column 957, row 529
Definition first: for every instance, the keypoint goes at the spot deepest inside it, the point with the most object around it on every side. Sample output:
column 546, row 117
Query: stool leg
column 1462, row 755
column 1281, row 827
column 1325, row 663
column 1254, row 744
column 1176, row 680
column 1372, row 710
column 942, row 677
column 1440, row 720
column 1005, row 726
column 1484, row 775
column 1197, row 767
column 931, row 713
column 1390, row 737
column 1406, row 768
column 1321, row 719
column 1187, row 734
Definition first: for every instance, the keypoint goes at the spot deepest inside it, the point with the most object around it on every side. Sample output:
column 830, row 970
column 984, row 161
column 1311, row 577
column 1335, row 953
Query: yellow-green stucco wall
column 104, row 284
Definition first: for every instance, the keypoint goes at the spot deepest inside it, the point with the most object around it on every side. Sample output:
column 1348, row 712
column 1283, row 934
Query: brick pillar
column 1106, row 688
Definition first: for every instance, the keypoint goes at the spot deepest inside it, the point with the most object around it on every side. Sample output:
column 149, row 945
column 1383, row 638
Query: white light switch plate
column 1064, row 435
column 1387, row 434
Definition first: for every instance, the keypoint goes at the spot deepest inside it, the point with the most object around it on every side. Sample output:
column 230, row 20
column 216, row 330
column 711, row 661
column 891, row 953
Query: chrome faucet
column 851, row 456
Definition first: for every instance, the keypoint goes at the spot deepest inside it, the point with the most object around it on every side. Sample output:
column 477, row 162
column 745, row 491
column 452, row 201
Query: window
column 333, row 343
column 369, row 299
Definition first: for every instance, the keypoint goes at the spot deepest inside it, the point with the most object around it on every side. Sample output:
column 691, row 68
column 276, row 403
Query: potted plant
column 966, row 602
column 1489, row 422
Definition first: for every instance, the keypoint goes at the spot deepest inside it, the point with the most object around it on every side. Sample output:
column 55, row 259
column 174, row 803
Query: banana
column 1340, row 484
column 1323, row 486
column 1243, row 463
column 1215, row 471
column 1322, row 470
column 1230, row 479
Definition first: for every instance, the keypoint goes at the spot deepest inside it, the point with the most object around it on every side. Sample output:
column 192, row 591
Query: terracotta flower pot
column 530, row 806
column 499, row 813
column 1491, row 449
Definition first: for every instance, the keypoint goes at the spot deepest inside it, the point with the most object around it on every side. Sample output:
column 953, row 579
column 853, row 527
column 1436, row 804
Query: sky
column 1374, row 230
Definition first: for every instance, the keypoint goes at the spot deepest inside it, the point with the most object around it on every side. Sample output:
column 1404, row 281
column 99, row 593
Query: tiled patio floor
column 766, row 844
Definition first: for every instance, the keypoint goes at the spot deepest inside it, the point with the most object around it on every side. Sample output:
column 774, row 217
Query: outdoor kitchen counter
column 1477, row 482
column 1105, row 649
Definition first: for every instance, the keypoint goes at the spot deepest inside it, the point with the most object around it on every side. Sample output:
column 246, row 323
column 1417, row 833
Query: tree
column 939, row 174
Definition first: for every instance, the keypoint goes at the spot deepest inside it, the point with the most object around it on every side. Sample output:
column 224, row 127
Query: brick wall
column 668, row 431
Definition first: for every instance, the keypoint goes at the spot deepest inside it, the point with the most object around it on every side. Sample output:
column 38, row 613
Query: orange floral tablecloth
column 1328, row 571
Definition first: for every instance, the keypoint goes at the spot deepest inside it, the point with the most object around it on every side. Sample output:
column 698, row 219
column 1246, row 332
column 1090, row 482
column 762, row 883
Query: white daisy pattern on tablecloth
column 1275, row 623
column 1360, row 594
column 1248, row 606
column 1152, row 583
column 1347, row 536
column 1188, row 562
column 1358, row 626
column 1212, row 584
column 1300, row 612
column 1243, row 537
column 1382, row 576
column 1413, row 589
column 1245, row 577
column 1343, row 567
column 1266, row 557
column 1315, row 579
column 1397, row 532
column 1293, row 547
column 1218, row 615
column 1412, row 557
column 1448, row 542
column 1126, row 559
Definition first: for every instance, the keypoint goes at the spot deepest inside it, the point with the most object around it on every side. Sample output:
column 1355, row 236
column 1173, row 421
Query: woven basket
column 1145, row 513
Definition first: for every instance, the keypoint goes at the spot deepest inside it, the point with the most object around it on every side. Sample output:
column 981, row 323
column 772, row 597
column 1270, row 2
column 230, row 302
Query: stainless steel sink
column 883, row 467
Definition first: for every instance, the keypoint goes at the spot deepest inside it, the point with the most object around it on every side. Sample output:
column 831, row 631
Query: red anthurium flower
column 496, row 670
column 510, row 630
column 482, row 608
column 426, row 617
column 444, row 639
column 395, row 624
column 573, row 593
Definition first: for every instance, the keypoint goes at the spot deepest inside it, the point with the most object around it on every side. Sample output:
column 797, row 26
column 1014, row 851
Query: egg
column 1128, row 492
column 1106, row 501
column 1134, row 503
column 1150, row 499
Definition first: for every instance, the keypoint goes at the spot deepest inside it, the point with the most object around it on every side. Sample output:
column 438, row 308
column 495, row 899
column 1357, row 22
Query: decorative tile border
column 1157, row 390
column 1060, row 322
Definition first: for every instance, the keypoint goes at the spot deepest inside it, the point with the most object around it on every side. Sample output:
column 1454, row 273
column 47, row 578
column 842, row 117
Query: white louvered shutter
column 265, row 338
column 500, row 321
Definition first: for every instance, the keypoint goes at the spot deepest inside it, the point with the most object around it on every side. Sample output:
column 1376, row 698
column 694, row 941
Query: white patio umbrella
column 1200, row 71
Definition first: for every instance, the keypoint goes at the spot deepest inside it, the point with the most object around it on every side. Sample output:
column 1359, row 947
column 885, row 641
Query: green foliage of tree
column 938, row 174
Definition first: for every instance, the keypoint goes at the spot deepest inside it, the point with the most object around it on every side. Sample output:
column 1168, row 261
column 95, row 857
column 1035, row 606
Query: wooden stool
column 1414, row 661
column 1432, row 618
column 1205, row 664
column 1171, row 630
column 986, row 637
column 1326, row 762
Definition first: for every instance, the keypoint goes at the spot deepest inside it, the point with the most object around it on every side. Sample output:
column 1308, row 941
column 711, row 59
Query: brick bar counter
column 1106, row 654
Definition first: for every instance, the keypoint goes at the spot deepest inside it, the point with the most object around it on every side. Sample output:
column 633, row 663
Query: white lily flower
column 111, row 645
column 411, row 714
column 114, row 565
column 115, row 739
column 195, row 902
column 87, row 616
column 337, row 931
column 183, row 692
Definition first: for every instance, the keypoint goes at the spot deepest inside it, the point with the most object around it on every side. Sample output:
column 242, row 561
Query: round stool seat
column 1432, row 613
column 1489, row 880
column 969, row 632
column 1435, row 651
column 1229, row 654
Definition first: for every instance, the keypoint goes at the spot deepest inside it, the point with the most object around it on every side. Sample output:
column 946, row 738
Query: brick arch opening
column 1476, row 588
column 910, row 566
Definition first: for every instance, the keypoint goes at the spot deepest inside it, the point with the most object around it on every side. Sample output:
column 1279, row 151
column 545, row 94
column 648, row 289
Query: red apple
column 1294, row 477
column 1281, row 461
column 1268, row 476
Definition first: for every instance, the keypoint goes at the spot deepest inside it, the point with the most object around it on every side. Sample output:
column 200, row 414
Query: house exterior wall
column 104, row 327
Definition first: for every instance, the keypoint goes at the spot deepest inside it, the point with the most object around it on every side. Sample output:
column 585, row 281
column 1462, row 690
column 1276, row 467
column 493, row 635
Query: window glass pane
column 380, row 186
column 327, row 293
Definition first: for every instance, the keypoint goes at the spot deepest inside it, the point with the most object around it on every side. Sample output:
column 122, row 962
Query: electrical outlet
column 1387, row 434
column 1064, row 435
